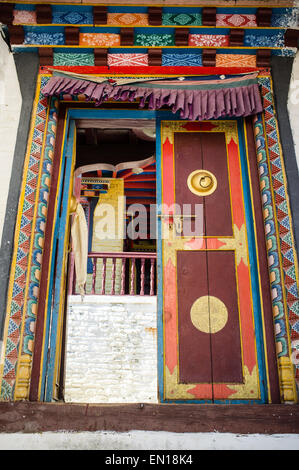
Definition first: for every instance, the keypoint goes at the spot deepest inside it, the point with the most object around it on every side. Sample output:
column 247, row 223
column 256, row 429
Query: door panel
column 205, row 150
column 211, row 352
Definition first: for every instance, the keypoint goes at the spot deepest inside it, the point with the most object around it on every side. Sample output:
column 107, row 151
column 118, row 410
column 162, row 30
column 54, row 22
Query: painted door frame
column 56, row 280
column 47, row 382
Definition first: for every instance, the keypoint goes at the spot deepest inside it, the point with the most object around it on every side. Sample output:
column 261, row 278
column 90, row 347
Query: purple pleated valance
column 194, row 99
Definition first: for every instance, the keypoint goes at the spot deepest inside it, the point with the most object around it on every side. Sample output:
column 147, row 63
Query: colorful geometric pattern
column 43, row 39
column 181, row 59
column 264, row 40
column 22, row 305
column 99, row 39
column 151, row 40
column 72, row 17
column 208, row 40
column 285, row 250
column 121, row 60
column 70, row 58
column 235, row 60
column 127, row 19
column 24, row 17
column 24, row 281
column 181, row 19
column 285, row 20
column 236, row 20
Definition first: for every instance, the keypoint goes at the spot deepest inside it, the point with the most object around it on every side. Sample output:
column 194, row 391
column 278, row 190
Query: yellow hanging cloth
column 79, row 233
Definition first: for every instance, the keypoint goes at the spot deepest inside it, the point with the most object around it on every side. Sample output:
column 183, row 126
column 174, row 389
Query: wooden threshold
column 33, row 417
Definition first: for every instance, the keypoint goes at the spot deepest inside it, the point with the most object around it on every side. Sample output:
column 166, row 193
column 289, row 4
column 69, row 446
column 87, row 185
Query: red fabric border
column 164, row 71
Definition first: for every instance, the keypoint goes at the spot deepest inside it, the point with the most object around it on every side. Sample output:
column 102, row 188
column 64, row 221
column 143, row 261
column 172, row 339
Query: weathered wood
column 209, row 16
column 263, row 57
column 155, row 16
column 45, row 55
column 43, row 14
column 126, row 36
column 6, row 13
column 263, row 17
column 209, row 57
column 236, row 37
column 71, row 35
column 100, row 56
column 100, row 14
column 154, row 57
column 16, row 34
column 181, row 36
column 40, row 417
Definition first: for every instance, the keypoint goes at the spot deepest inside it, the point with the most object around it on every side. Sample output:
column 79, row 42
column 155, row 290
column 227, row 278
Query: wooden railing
column 136, row 270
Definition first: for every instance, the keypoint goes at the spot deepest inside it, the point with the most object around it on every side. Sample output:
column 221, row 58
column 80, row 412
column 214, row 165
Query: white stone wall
column 147, row 440
column 111, row 349
column 10, row 109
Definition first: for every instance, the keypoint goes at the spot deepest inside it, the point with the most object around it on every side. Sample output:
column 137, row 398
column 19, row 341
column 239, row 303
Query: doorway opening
column 111, row 333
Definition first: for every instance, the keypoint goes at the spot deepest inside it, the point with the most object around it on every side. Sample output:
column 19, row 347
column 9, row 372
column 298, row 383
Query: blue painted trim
column 252, row 249
column 160, row 326
column 65, row 182
column 48, row 309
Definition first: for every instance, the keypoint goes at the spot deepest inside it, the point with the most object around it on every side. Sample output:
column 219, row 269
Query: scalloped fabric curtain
column 194, row 98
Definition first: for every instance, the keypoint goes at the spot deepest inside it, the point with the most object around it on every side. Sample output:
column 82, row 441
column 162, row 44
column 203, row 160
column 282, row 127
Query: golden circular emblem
column 202, row 182
column 209, row 314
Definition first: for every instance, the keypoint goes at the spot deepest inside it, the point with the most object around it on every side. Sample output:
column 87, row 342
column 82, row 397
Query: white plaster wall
column 147, row 440
column 111, row 349
column 293, row 105
column 10, row 108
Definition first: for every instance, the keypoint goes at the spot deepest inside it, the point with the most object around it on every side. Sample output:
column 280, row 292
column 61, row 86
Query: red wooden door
column 210, row 344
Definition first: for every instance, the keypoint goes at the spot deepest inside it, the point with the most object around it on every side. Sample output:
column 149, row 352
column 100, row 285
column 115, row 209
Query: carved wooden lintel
column 71, row 35
column 16, row 34
column 236, row 37
column 45, row 55
column 6, row 13
column 154, row 16
column 263, row 57
column 154, row 57
column 127, row 36
column 43, row 14
column 291, row 38
column 209, row 16
column 263, row 16
column 181, row 36
column 100, row 14
column 101, row 57
column 209, row 57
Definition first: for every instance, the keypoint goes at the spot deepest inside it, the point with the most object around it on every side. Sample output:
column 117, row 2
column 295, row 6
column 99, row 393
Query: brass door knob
column 202, row 182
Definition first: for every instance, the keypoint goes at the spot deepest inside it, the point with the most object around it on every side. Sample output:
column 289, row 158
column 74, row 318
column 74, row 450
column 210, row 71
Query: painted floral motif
column 205, row 40
column 24, row 17
column 120, row 60
column 235, row 60
column 44, row 38
column 72, row 17
column 288, row 19
column 66, row 58
column 127, row 19
column 99, row 39
column 182, row 59
column 236, row 20
column 264, row 40
column 181, row 19
column 148, row 40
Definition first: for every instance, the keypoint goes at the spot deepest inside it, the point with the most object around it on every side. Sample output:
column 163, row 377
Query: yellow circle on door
column 209, row 314
column 202, row 182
